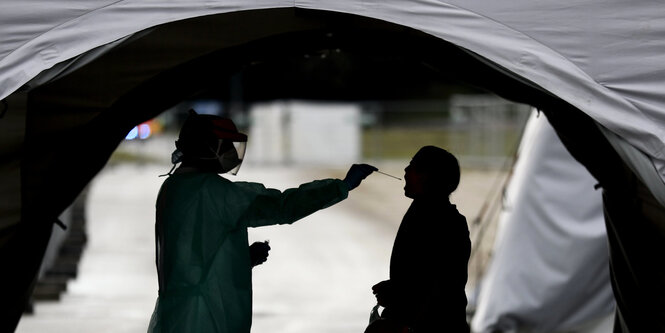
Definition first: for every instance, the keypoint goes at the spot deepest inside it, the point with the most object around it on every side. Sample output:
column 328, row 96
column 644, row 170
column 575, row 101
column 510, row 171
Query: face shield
column 210, row 138
column 230, row 155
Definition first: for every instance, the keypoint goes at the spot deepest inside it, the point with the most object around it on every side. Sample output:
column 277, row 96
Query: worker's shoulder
column 195, row 181
column 188, row 177
column 249, row 186
column 218, row 183
column 213, row 180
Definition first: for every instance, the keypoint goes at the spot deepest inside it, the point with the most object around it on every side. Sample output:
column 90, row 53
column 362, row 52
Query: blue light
column 132, row 134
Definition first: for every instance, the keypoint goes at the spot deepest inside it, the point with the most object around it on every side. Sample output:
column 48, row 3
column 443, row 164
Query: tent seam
column 661, row 132
column 523, row 34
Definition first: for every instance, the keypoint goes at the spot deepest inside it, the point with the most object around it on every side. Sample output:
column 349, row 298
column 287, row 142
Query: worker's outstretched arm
column 272, row 206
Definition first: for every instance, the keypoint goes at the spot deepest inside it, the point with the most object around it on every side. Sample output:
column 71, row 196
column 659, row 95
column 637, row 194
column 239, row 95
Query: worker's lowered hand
column 357, row 173
column 258, row 252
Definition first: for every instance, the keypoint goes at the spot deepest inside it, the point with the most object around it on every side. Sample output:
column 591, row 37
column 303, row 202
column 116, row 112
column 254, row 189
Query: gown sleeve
column 271, row 206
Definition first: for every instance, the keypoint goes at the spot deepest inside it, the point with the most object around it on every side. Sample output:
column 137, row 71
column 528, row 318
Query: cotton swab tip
column 383, row 173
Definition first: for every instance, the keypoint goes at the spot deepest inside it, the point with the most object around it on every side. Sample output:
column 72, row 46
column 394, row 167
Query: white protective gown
column 205, row 270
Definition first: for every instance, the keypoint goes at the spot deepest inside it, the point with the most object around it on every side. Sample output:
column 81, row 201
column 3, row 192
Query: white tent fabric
column 605, row 58
column 549, row 271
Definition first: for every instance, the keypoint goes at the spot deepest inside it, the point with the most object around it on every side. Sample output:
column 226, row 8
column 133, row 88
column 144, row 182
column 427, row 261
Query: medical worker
column 203, row 256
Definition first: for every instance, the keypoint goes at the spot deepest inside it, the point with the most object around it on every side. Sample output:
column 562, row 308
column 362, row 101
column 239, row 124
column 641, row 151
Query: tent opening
column 248, row 57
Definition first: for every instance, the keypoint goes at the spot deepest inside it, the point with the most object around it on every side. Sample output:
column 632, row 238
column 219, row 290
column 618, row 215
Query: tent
column 76, row 76
column 549, row 268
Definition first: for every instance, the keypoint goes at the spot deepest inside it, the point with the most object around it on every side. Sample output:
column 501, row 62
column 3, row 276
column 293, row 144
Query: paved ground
column 317, row 279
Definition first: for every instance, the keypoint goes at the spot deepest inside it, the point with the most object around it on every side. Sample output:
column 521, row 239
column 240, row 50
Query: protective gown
column 205, row 271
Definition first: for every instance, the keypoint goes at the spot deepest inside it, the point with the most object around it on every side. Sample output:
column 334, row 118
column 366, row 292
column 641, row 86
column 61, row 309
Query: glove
column 357, row 173
column 258, row 252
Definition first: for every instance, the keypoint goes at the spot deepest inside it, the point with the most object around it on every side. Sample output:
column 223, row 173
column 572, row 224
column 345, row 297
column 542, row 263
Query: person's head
column 210, row 143
column 433, row 171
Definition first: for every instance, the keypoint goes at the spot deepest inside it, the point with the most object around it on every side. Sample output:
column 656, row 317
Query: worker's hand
column 383, row 292
column 357, row 173
column 258, row 252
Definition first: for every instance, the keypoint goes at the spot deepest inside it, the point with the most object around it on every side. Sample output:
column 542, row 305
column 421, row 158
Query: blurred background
column 320, row 271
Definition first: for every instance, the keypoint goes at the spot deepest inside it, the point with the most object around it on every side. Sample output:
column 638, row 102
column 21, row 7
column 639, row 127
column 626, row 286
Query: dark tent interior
column 287, row 53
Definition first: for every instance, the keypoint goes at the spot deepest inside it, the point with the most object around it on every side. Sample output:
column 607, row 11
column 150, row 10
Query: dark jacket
column 428, row 268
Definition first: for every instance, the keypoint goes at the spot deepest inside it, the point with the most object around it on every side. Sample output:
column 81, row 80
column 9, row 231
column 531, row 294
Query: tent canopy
column 604, row 59
column 94, row 69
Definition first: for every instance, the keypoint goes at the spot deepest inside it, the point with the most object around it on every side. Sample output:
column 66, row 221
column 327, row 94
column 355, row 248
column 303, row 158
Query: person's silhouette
column 204, row 260
column 428, row 265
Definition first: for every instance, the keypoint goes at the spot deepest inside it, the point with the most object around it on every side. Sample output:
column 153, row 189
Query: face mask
column 229, row 160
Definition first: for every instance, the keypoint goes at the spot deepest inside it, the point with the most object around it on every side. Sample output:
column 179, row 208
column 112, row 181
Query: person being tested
column 204, row 260
column 428, row 265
